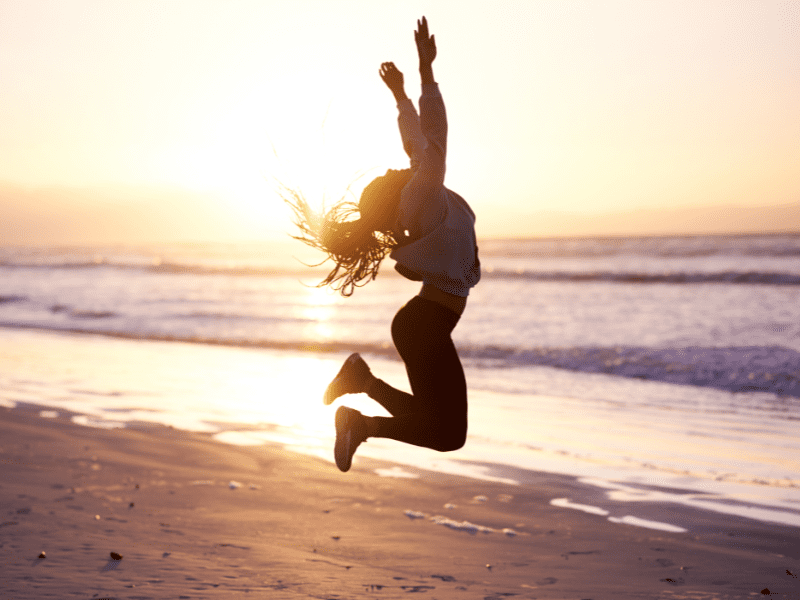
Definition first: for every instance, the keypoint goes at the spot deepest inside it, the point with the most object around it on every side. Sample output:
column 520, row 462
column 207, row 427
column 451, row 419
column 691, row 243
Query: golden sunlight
column 281, row 389
column 327, row 152
column 319, row 308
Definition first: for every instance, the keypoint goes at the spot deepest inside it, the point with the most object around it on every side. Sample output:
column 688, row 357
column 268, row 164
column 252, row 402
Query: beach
column 633, row 410
column 192, row 517
column 206, row 211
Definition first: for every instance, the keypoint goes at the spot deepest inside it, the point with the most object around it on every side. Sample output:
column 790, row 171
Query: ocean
column 652, row 369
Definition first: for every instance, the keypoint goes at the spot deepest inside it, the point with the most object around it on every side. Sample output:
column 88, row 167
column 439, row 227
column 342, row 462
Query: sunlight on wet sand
column 198, row 388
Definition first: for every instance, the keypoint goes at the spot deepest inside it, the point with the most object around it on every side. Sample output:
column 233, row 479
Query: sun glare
column 319, row 309
column 282, row 390
column 243, row 165
column 326, row 140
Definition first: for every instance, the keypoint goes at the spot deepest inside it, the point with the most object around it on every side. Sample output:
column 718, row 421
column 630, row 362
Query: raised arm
column 410, row 129
column 433, row 116
column 425, row 138
column 424, row 206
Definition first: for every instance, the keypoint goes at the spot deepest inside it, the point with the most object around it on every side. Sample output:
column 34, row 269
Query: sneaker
column 350, row 432
column 351, row 379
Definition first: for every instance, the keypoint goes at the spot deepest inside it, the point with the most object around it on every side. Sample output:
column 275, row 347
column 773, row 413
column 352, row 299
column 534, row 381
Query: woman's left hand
column 426, row 44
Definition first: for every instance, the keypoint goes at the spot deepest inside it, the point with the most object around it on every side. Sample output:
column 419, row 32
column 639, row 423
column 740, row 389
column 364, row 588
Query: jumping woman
column 429, row 231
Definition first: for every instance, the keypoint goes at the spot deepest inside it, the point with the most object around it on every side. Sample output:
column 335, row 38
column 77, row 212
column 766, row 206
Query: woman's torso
column 455, row 303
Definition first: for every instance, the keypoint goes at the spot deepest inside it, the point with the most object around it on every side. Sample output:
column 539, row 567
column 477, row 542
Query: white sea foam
column 638, row 522
column 566, row 503
column 88, row 421
column 510, row 532
column 626, row 520
column 467, row 526
column 413, row 514
column 733, row 503
column 461, row 525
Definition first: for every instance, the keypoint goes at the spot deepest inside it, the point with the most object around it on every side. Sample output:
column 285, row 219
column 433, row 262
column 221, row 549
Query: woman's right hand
column 391, row 76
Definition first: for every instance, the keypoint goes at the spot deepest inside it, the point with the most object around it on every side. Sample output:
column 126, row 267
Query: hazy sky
column 172, row 117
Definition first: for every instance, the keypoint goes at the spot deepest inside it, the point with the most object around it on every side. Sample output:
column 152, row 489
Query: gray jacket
column 435, row 226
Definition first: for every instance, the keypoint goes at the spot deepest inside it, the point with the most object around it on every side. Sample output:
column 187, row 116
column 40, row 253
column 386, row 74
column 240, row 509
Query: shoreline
column 656, row 507
column 651, row 454
column 296, row 527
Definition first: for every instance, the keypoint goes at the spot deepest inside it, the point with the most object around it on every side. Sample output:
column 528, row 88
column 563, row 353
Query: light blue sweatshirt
column 435, row 226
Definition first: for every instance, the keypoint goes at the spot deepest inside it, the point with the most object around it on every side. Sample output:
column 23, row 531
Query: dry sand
column 298, row 528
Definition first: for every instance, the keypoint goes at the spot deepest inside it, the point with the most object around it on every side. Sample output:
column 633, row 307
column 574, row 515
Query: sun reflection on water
column 320, row 307
column 188, row 386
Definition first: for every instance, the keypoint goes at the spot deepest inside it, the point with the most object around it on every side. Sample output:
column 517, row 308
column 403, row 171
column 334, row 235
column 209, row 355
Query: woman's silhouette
column 430, row 231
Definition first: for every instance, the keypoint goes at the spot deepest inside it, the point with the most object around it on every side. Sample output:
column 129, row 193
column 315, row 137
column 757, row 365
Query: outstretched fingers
column 426, row 43
column 422, row 28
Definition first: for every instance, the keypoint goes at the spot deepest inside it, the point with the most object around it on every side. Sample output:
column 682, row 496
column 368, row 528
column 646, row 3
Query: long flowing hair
column 345, row 235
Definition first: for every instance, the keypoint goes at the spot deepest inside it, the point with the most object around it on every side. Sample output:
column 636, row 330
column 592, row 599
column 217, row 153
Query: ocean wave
column 732, row 277
column 160, row 268
column 786, row 245
column 384, row 349
column 770, row 369
column 678, row 278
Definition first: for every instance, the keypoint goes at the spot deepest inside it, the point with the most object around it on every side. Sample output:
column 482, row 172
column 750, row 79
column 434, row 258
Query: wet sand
column 195, row 518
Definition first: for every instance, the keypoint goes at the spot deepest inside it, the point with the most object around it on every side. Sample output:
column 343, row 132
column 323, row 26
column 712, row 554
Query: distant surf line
column 736, row 369
column 623, row 277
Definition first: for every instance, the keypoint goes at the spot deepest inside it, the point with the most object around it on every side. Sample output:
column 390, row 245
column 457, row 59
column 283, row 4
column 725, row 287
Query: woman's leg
column 355, row 377
column 395, row 401
column 435, row 416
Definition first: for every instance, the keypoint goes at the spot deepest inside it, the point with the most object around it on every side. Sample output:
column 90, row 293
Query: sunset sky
column 146, row 120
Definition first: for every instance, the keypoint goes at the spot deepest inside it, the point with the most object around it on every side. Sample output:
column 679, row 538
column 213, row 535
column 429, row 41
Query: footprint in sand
column 664, row 562
column 566, row 555
column 111, row 565
column 414, row 589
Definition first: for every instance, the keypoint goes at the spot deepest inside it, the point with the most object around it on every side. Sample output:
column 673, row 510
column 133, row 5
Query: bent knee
column 453, row 439
column 453, row 445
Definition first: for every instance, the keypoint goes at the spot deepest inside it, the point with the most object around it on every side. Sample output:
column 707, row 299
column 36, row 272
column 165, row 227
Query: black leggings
column 435, row 416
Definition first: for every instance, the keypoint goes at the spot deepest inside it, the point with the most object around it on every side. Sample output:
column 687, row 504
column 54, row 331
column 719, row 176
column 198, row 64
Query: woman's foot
column 352, row 378
column 351, row 430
